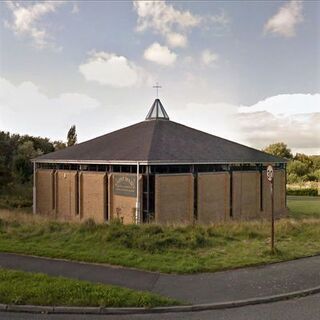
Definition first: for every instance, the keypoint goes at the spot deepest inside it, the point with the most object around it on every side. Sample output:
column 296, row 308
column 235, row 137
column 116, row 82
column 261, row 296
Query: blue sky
column 245, row 70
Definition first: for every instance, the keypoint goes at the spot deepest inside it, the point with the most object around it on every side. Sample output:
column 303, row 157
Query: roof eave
column 153, row 162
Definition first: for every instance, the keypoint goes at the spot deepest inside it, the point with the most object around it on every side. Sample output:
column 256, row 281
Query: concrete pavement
column 240, row 284
column 307, row 308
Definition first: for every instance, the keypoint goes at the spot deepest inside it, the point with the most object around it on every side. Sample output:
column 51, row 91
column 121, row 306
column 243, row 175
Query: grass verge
column 166, row 249
column 302, row 207
column 17, row 287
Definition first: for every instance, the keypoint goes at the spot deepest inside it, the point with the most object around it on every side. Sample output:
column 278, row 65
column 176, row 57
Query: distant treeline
column 16, row 152
column 301, row 167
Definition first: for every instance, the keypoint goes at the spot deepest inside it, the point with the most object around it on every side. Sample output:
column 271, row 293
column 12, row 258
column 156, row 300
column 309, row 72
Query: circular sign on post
column 270, row 172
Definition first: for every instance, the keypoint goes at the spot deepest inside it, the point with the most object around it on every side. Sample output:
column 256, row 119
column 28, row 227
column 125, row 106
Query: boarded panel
column 174, row 199
column 246, row 195
column 266, row 197
column 93, row 196
column 213, row 197
column 236, row 195
column 66, row 194
column 45, row 192
column 279, row 195
column 122, row 205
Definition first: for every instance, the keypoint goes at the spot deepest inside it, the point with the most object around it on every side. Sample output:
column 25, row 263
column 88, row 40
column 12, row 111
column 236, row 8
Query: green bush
column 302, row 192
column 11, row 202
column 14, row 196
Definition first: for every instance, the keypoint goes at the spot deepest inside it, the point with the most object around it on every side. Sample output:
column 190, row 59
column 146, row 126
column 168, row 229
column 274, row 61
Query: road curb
column 185, row 308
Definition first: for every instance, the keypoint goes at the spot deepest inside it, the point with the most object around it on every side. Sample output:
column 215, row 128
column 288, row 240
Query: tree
column 304, row 158
column 316, row 162
column 22, row 164
column 58, row 145
column 8, row 146
column 317, row 174
column 279, row 149
column 298, row 167
column 72, row 136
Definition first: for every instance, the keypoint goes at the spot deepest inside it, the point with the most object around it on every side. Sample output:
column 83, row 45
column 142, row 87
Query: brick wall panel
column 174, row 199
column 66, row 194
column 236, row 194
column 93, row 196
column 246, row 195
column 213, row 197
column 45, row 192
column 123, row 207
column 279, row 195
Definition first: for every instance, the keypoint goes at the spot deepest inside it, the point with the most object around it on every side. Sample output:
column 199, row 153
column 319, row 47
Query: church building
column 158, row 171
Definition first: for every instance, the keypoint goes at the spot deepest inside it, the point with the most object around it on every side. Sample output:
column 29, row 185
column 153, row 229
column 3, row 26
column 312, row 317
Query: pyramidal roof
column 159, row 142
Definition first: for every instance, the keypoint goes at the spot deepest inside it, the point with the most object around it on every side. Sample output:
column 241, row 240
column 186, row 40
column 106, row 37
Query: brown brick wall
column 45, row 192
column 245, row 195
column 66, row 195
column 93, row 202
column 213, row 197
column 123, row 207
column 279, row 195
column 174, row 199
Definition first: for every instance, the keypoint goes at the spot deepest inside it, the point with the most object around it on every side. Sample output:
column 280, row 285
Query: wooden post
column 270, row 177
column 34, row 189
column 138, row 198
column 272, row 215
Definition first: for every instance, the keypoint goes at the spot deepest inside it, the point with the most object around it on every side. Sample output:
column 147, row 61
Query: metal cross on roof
column 157, row 87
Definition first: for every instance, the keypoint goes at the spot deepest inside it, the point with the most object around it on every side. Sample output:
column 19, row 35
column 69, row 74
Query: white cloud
column 208, row 57
column 291, row 118
column 214, row 118
column 284, row 22
column 75, row 8
column 300, row 131
column 161, row 17
column 287, row 104
column 176, row 40
column 160, row 54
column 272, row 120
column 173, row 24
column 27, row 21
column 25, row 109
column 113, row 70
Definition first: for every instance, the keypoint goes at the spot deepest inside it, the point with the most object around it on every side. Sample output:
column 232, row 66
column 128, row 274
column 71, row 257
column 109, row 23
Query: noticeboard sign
column 125, row 185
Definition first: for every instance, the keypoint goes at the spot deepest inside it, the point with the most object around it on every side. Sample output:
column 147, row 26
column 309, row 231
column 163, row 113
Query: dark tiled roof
column 160, row 141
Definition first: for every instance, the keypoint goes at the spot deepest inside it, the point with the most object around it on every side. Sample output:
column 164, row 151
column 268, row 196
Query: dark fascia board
column 143, row 162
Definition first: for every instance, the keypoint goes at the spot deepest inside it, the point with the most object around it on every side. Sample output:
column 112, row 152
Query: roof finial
column 157, row 87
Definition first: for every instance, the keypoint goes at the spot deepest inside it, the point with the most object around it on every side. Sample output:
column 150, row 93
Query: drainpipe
column 34, row 193
column 138, row 198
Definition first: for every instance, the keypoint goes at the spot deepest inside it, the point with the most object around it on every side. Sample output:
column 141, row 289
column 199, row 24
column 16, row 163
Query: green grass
column 17, row 287
column 167, row 249
column 302, row 207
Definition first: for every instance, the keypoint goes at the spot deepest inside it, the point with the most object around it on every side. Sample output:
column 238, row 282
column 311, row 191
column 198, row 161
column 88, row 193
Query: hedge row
column 302, row 192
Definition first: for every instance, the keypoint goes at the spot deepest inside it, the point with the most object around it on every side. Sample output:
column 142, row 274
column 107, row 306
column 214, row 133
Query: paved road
column 298, row 309
column 199, row 288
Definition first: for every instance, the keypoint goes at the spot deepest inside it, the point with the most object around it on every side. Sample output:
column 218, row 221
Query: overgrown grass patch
column 179, row 249
column 17, row 287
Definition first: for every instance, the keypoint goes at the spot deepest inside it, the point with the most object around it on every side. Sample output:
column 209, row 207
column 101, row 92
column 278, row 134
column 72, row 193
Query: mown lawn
column 167, row 249
column 17, row 287
column 302, row 207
